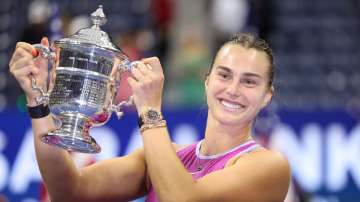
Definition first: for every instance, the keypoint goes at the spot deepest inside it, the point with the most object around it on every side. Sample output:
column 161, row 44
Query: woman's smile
column 231, row 106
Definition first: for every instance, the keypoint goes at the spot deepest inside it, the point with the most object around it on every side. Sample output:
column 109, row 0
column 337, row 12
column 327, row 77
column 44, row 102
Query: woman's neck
column 220, row 138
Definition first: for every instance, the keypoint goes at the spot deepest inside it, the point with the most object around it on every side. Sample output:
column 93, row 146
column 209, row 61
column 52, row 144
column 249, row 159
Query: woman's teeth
column 230, row 105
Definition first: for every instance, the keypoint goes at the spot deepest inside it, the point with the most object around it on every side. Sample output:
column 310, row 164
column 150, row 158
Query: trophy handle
column 46, row 53
column 118, row 108
column 125, row 65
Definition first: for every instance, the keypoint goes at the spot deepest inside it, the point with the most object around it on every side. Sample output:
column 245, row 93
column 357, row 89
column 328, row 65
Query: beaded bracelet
column 144, row 127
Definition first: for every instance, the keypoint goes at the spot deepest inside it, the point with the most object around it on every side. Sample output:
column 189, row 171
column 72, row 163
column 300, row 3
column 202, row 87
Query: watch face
column 153, row 115
column 150, row 116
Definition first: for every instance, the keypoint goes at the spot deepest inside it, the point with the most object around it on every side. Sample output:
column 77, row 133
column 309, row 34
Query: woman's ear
column 268, row 97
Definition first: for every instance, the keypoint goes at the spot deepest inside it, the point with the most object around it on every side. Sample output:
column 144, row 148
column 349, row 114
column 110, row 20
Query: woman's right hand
column 24, row 64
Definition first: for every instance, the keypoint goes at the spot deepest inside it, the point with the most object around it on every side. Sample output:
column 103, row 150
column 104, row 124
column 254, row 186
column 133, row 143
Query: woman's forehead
column 236, row 56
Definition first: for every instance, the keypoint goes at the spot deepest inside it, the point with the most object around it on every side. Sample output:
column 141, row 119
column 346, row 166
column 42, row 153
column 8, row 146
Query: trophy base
column 73, row 134
column 70, row 143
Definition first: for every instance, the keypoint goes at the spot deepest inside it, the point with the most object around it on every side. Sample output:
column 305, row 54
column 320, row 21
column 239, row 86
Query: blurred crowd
column 315, row 45
column 183, row 34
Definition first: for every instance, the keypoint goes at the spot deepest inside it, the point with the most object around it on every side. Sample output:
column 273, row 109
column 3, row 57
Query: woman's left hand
column 147, row 82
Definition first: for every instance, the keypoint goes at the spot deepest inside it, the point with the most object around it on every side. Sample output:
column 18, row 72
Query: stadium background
column 314, row 118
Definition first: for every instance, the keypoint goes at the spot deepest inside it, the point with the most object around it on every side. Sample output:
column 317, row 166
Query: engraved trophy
column 83, row 84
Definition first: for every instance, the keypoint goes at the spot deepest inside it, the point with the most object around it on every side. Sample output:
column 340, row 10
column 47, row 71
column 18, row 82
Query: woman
column 227, row 165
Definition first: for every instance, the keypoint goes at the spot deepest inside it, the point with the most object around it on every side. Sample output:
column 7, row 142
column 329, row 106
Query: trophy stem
column 73, row 135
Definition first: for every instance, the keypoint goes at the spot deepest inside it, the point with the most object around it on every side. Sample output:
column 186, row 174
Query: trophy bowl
column 83, row 84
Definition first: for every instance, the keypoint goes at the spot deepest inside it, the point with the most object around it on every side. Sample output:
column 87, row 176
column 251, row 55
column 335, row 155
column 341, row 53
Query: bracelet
column 161, row 123
column 38, row 111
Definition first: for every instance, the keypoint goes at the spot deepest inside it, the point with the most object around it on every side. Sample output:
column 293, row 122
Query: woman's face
column 237, row 87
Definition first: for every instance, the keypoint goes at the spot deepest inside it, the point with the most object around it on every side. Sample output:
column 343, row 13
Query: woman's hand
column 23, row 66
column 147, row 82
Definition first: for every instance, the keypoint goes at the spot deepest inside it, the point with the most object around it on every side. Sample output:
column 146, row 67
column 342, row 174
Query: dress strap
column 246, row 145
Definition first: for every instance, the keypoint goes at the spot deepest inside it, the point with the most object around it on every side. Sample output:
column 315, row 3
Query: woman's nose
column 233, row 89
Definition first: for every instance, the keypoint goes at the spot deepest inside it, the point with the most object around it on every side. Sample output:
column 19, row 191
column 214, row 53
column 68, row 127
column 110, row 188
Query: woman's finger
column 26, row 71
column 147, row 71
column 154, row 63
column 26, row 46
column 20, row 53
column 21, row 63
column 132, row 82
column 45, row 41
column 141, row 67
column 137, row 74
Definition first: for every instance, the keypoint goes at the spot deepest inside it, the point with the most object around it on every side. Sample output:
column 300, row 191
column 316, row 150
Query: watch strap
column 38, row 111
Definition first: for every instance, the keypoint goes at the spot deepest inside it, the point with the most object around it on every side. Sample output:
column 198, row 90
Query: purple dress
column 199, row 165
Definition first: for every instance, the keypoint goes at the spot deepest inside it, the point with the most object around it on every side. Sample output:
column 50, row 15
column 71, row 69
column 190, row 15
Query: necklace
column 203, row 161
column 200, row 162
column 199, row 166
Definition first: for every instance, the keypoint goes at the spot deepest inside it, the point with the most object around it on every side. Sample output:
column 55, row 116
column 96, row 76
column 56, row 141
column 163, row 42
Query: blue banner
column 323, row 149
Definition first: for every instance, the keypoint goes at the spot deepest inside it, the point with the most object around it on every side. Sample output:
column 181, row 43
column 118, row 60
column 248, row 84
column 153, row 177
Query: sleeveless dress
column 200, row 165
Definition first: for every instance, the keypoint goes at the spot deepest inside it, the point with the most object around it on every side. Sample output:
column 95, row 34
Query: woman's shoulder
column 267, row 158
column 268, row 168
column 272, row 165
column 268, row 153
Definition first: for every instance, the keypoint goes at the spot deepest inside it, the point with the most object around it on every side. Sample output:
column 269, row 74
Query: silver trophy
column 83, row 84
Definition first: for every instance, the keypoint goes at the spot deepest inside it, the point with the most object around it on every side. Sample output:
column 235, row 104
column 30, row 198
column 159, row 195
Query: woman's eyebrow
column 224, row 68
column 227, row 69
column 250, row 74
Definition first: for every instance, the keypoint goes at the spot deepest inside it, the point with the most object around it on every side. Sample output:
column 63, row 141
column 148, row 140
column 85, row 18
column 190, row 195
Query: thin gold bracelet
column 161, row 123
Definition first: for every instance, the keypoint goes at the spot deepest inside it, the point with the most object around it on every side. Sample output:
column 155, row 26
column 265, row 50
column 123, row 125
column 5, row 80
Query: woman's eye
column 224, row 76
column 249, row 82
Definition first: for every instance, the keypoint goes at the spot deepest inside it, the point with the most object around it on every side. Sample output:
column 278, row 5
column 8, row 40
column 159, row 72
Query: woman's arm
column 120, row 179
column 259, row 176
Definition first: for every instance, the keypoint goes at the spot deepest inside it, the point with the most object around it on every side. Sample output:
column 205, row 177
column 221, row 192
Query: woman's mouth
column 232, row 106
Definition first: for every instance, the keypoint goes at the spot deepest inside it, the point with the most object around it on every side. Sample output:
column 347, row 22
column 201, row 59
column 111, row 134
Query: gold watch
column 150, row 116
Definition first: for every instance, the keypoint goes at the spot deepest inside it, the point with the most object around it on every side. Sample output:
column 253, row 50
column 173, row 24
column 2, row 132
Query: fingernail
column 34, row 53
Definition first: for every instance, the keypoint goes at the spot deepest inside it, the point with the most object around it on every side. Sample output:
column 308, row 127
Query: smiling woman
column 238, row 86
column 227, row 165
